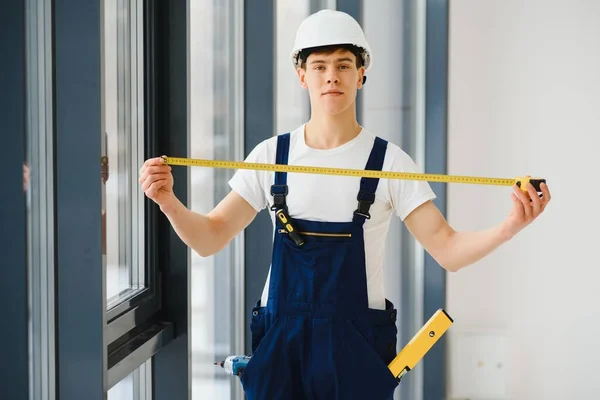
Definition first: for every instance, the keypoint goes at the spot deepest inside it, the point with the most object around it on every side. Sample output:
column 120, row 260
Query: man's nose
column 333, row 78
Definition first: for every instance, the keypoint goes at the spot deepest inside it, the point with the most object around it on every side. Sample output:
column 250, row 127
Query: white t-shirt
column 332, row 198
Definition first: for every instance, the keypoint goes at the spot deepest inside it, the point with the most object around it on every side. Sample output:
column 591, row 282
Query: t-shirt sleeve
column 406, row 195
column 249, row 184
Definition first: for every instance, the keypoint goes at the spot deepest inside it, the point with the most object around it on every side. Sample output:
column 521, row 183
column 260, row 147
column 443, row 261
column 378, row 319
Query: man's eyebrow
column 342, row 59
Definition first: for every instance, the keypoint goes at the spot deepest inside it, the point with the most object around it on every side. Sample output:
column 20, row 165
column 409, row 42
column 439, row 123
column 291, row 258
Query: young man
column 323, row 328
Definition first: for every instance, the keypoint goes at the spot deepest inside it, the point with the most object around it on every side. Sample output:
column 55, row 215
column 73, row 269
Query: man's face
column 332, row 81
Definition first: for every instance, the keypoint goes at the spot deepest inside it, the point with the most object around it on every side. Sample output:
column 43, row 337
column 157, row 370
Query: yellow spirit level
column 420, row 344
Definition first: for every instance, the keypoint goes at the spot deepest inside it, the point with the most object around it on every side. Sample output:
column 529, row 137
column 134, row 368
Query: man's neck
column 328, row 132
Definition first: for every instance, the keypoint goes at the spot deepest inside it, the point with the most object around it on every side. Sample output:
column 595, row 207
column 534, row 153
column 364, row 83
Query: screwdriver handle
column 286, row 223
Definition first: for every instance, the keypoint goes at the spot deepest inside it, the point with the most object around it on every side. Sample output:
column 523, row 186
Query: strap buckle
column 365, row 200
column 278, row 192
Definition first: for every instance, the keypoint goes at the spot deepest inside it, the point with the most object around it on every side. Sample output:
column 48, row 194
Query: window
column 94, row 283
column 123, row 150
column 129, row 221
column 129, row 258
column 136, row 386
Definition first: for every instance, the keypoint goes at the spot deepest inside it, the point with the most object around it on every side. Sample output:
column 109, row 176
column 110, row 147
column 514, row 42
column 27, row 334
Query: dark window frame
column 14, row 383
column 110, row 343
column 143, row 305
column 140, row 327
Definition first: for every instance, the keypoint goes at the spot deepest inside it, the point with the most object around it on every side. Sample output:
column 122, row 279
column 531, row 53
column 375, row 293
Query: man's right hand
column 156, row 181
column 206, row 234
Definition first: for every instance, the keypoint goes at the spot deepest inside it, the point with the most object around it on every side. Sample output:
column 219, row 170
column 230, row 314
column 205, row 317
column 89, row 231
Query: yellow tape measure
column 519, row 181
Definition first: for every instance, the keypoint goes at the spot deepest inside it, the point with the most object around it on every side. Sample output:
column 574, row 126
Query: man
column 323, row 328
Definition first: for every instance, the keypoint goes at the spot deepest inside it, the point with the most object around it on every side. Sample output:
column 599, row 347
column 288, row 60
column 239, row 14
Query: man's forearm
column 466, row 248
column 197, row 231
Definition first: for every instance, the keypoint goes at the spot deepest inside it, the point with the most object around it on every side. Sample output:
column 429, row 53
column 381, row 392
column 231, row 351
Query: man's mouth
column 333, row 93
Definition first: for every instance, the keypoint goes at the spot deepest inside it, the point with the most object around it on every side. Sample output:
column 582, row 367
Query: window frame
column 13, row 213
column 154, row 324
column 111, row 343
column 141, row 326
column 90, row 349
column 141, row 306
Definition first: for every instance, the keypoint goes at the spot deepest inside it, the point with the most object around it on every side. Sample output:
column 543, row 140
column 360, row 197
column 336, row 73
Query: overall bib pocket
column 314, row 270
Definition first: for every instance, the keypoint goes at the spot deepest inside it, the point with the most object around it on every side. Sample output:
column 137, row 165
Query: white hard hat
column 330, row 27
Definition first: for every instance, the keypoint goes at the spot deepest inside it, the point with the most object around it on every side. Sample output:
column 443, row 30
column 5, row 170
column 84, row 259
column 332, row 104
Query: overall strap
column 368, row 186
column 279, row 190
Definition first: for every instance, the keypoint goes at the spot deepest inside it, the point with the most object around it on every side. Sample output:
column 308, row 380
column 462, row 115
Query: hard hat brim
column 366, row 54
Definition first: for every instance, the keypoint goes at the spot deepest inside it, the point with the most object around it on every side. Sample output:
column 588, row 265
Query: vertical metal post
column 171, row 370
column 436, row 106
column 80, row 278
column 14, row 364
column 259, row 124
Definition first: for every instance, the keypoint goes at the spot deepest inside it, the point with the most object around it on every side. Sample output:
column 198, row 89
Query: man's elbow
column 209, row 249
column 446, row 255
column 204, row 253
column 215, row 238
column 451, row 267
column 447, row 263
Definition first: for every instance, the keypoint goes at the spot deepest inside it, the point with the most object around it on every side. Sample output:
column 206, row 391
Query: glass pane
column 123, row 147
column 217, row 323
column 136, row 386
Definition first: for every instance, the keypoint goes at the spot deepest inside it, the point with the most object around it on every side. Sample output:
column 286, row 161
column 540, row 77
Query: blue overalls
column 317, row 338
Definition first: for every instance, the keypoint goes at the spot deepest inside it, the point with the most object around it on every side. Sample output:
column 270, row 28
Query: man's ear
column 361, row 77
column 302, row 77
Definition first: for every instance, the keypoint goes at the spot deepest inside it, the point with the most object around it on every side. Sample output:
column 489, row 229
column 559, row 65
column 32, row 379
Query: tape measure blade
column 340, row 171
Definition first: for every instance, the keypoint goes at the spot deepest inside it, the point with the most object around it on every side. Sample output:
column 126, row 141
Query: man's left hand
column 526, row 208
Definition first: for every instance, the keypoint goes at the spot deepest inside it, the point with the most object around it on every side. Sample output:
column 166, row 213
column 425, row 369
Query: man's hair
column 357, row 51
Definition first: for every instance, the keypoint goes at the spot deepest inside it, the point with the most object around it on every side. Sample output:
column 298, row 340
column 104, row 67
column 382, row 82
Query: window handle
column 104, row 160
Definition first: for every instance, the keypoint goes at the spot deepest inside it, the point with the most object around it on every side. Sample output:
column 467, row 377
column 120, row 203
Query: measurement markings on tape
column 476, row 180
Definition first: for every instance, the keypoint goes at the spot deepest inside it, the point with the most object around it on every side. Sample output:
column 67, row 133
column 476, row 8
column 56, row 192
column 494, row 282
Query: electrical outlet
column 479, row 367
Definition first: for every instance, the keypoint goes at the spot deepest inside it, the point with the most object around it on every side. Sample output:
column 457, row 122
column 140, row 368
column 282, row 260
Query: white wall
column 525, row 99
